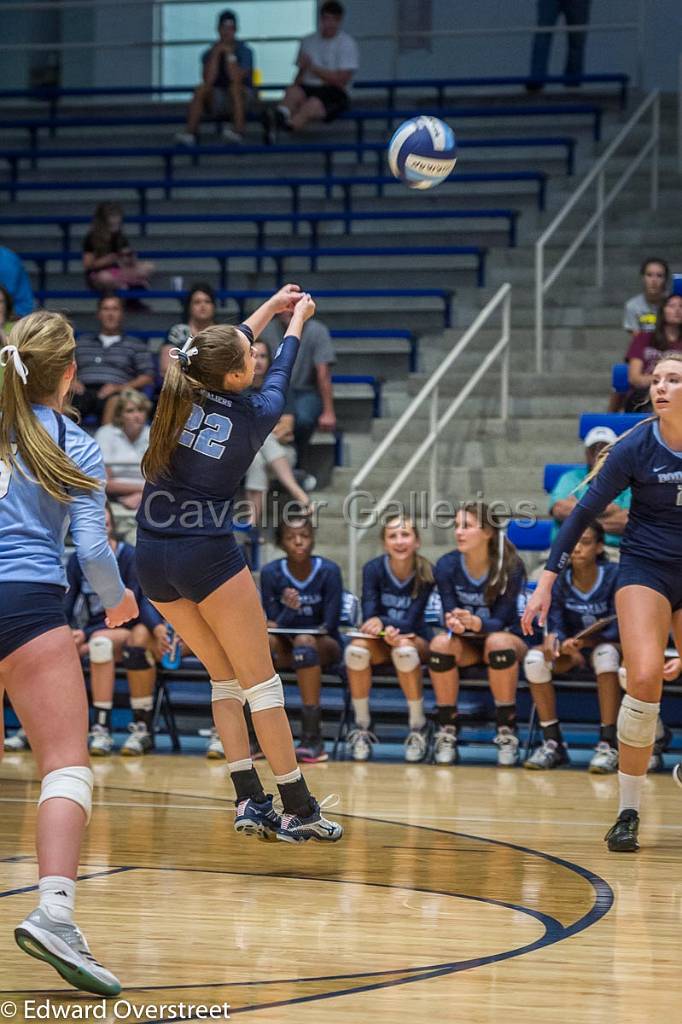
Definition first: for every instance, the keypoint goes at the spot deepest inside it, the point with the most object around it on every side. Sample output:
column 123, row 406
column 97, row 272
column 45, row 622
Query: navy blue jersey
column 391, row 600
column 320, row 595
column 217, row 446
column 459, row 590
column 84, row 608
column 654, row 472
column 574, row 610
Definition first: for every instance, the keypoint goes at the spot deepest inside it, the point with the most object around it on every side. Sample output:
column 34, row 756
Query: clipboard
column 297, row 631
column 596, row 627
column 357, row 634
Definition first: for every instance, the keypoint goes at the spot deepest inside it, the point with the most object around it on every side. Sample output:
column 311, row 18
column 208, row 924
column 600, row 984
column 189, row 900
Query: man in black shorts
column 327, row 61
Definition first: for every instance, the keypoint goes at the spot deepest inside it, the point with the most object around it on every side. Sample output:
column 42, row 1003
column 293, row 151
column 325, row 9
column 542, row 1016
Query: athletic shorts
column 169, row 568
column 334, row 99
column 665, row 579
column 27, row 610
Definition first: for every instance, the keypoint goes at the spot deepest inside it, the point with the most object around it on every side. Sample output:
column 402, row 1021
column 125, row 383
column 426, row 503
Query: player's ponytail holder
column 184, row 354
column 8, row 352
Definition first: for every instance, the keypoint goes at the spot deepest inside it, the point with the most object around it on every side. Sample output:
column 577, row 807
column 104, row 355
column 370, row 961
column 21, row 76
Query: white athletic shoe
column 139, row 742
column 19, row 741
column 185, row 139
column 604, row 760
column 445, row 745
column 360, row 744
column 417, row 744
column 63, row 947
column 230, row 135
column 507, row 744
column 677, row 774
column 100, row 741
column 214, row 750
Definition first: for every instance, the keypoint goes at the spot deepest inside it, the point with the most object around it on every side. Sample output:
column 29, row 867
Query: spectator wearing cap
column 570, row 488
column 14, row 279
column 327, row 61
column 226, row 91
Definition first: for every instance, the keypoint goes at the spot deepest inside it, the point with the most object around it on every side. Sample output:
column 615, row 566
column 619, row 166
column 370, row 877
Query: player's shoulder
column 449, row 561
column 271, row 568
column 329, row 566
column 610, row 572
column 636, row 441
column 374, row 565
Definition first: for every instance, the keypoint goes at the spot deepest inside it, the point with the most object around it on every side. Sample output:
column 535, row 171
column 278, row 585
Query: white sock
column 361, row 712
column 245, row 765
column 417, row 718
column 284, row 111
column 293, row 776
column 57, row 898
column 142, row 703
column 630, row 791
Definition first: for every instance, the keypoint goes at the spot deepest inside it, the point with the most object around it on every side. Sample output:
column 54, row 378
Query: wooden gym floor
column 471, row 894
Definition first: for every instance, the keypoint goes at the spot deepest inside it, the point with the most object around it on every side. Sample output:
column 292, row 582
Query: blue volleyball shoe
column 315, row 826
column 257, row 819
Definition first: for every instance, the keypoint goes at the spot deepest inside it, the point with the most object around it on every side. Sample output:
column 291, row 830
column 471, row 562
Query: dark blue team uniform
column 459, row 590
column 84, row 608
column 320, row 595
column 185, row 545
column 391, row 600
column 651, row 549
column 573, row 610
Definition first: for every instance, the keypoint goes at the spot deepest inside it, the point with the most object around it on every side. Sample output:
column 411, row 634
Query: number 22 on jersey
column 206, row 434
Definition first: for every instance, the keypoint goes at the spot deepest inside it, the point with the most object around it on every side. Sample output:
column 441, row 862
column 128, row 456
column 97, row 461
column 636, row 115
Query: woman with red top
column 646, row 349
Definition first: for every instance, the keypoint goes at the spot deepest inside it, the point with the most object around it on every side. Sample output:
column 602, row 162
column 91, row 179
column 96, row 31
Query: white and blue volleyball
column 422, row 152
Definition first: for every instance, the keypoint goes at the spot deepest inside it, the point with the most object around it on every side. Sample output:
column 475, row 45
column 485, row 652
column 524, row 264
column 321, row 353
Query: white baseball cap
column 600, row 435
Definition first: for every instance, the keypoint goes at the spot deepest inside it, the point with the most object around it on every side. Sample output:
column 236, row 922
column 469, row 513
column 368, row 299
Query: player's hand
column 305, row 307
column 161, row 637
column 373, row 626
column 392, row 635
column 291, row 598
column 285, row 300
column 539, row 603
column 672, row 669
column 570, row 645
column 551, row 647
column 468, row 620
column 124, row 611
column 453, row 622
column 327, row 421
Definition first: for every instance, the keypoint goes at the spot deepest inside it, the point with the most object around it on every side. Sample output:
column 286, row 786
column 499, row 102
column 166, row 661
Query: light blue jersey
column 33, row 525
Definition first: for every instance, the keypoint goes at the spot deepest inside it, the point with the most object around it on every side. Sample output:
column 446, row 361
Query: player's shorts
column 27, row 610
column 169, row 568
column 334, row 99
column 665, row 579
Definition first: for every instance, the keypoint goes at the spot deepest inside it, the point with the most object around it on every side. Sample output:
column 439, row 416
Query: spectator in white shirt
column 123, row 442
column 327, row 61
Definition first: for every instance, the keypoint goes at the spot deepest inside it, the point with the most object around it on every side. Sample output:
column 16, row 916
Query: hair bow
column 184, row 354
column 12, row 352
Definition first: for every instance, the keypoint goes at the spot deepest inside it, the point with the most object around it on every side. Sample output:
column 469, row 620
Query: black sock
column 505, row 715
column 607, row 734
column 142, row 715
column 101, row 716
column 311, row 722
column 447, row 714
column 552, row 732
column 296, row 798
column 248, row 786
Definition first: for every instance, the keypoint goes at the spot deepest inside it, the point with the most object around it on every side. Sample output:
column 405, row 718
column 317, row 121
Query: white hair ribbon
column 184, row 354
column 12, row 352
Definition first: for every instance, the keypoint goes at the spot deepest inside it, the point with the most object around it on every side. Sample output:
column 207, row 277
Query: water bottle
column 171, row 659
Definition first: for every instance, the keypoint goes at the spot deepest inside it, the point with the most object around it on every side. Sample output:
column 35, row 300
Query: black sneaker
column 622, row 837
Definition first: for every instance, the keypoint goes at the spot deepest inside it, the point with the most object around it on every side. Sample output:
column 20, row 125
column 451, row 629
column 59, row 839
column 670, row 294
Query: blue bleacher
column 619, row 422
column 619, row 378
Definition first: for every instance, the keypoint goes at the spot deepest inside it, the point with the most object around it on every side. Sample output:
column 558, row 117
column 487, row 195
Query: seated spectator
column 15, row 281
column 570, row 488
column 109, row 362
column 304, row 591
column 137, row 646
column 277, row 457
column 226, row 91
column 123, row 442
column 645, row 351
column 109, row 261
column 641, row 310
column 310, row 393
column 199, row 313
column 327, row 61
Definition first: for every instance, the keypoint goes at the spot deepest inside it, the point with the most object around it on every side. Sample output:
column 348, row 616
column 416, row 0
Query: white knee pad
column 101, row 650
column 536, row 668
column 623, row 677
column 264, row 696
column 637, row 722
column 605, row 658
column 356, row 657
column 405, row 658
column 70, row 784
column 227, row 689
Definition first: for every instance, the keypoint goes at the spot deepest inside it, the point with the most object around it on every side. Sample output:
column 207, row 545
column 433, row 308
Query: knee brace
column 227, row 689
column 536, row 668
column 439, row 662
column 306, row 656
column 502, row 659
column 356, row 658
column 136, row 659
column 637, row 722
column 264, row 696
column 70, row 784
column 623, row 677
column 405, row 658
column 605, row 658
column 101, row 650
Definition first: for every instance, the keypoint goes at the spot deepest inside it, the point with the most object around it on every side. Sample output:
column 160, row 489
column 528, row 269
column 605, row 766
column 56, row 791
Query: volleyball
column 422, row 152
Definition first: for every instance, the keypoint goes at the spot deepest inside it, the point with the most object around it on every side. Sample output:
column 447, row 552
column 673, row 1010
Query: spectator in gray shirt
column 640, row 311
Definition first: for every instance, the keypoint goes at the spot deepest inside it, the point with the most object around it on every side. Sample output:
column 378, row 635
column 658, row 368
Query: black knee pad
column 441, row 662
column 502, row 659
column 137, row 659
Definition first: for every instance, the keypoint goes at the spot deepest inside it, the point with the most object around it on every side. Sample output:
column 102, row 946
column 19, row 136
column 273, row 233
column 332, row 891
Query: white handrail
column 603, row 202
column 436, row 425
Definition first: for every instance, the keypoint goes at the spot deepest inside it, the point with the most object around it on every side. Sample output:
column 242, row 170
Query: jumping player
column 51, row 476
column 649, row 587
column 395, row 589
column 479, row 585
column 582, row 595
column 205, row 434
